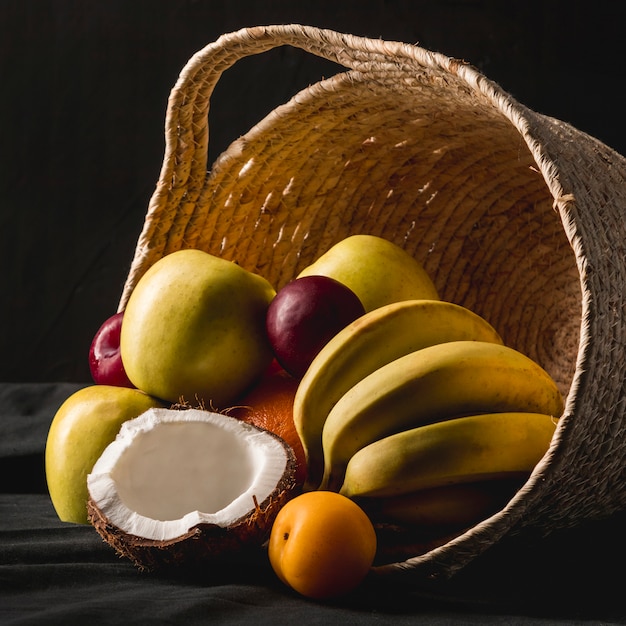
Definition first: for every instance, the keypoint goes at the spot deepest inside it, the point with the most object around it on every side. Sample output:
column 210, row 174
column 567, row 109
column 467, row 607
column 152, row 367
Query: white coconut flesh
column 168, row 471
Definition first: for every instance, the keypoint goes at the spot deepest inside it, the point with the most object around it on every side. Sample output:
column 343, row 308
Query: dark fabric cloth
column 57, row 573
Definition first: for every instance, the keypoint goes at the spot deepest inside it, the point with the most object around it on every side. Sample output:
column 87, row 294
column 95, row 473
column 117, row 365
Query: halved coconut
column 178, row 487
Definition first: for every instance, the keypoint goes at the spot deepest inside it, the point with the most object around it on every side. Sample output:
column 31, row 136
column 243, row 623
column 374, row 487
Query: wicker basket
column 518, row 216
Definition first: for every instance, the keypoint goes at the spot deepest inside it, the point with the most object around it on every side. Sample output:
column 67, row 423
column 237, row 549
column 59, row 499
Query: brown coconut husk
column 203, row 544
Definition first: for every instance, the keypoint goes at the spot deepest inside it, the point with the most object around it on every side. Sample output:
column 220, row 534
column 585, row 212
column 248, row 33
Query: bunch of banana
column 441, row 382
column 418, row 406
column 375, row 339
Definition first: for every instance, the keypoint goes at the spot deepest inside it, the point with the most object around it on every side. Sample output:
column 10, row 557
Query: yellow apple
column 194, row 330
column 81, row 429
column 376, row 269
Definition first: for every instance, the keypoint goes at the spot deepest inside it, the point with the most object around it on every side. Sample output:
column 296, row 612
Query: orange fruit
column 322, row 544
column 269, row 405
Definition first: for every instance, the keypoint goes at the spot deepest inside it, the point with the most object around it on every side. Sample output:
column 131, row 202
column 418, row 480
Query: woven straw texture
column 517, row 216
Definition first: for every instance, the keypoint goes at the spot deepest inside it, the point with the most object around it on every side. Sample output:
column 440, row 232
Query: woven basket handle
column 186, row 131
column 184, row 169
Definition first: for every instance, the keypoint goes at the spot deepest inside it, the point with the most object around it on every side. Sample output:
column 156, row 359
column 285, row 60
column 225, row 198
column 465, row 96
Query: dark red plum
column 305, row 315
column 105, row 360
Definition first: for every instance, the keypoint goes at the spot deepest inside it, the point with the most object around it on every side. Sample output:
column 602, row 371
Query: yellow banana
column 430, row 385
column 460, row 450
column 375, row 339
column 441, row 509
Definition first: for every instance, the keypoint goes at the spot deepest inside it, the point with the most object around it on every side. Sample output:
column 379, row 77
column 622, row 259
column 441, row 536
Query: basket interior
column 423, row 160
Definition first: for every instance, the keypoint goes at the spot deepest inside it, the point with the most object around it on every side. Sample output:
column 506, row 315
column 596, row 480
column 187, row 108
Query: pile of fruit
column 227, row 416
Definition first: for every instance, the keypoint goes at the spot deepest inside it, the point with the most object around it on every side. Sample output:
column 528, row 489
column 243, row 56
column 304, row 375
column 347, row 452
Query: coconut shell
column 202, row 543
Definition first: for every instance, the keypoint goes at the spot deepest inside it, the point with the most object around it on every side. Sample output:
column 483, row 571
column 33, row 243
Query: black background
column 84, row 86
column 83, row 91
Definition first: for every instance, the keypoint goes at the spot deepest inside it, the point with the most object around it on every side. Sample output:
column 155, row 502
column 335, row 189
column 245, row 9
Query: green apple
column 81, row 429
column 194, row 330
column 376, row 269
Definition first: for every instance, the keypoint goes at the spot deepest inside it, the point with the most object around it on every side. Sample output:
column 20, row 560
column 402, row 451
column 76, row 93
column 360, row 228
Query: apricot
column 322, row 545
